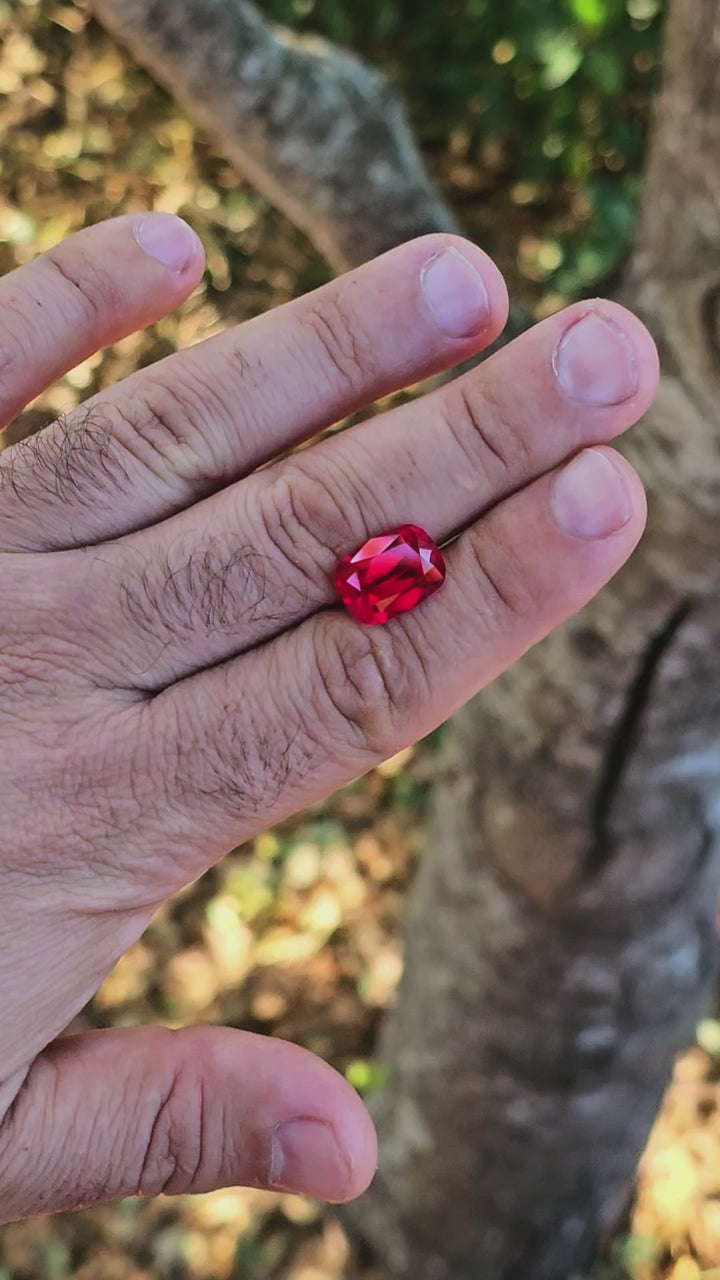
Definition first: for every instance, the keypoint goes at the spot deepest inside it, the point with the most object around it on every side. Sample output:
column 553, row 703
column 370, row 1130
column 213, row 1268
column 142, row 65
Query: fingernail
column 596, row 364
column 168, row 240
column 307, row 1160
column 590, row 498
column 455, row 293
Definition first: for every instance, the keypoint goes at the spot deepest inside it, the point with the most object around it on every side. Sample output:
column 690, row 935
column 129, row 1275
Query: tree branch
column 324, row 136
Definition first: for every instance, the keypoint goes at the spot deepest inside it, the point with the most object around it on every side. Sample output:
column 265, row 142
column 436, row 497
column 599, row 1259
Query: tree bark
column 561, row 940
column 323, row 135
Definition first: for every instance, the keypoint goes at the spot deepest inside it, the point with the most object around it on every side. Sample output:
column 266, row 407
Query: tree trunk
column 320, row 133
column 561, row 941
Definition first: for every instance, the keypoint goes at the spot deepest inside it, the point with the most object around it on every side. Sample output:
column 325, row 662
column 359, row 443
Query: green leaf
column 643, row 10
column 366, row 1076
column 561, row 56
column 592, row 14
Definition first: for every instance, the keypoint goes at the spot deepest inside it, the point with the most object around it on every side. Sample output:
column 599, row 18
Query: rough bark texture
column 320, row 133
column 561, row 942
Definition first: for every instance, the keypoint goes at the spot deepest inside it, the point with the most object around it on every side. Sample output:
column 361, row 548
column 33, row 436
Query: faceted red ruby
column 390, row 574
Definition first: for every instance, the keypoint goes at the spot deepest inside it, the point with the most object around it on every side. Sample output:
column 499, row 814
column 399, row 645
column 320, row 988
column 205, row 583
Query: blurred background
column 532, row 115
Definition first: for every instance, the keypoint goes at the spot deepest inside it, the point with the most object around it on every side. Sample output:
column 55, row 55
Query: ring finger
column 258, row 557
column 251, row 741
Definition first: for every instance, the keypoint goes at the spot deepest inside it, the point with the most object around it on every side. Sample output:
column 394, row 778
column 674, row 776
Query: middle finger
column 257, row 558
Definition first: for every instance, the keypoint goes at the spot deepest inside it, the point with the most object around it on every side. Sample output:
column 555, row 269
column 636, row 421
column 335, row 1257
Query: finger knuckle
column 479, row 422
column 161, row 427
column 16, row 345
column 95, row 290
column 507, row 593
column 346, row 353
column 307, row 519
column 175, row 1153
column 153, row 426
column 369, row 687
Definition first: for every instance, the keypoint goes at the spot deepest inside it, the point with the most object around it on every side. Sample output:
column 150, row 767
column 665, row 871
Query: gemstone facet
column 390, row 574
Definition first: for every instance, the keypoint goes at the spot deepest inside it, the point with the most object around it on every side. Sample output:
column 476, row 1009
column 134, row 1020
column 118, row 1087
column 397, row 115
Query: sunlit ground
column 298, row 934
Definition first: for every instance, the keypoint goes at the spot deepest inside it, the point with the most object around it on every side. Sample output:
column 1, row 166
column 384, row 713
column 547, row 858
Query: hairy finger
column 249, row 562
column 250, row 742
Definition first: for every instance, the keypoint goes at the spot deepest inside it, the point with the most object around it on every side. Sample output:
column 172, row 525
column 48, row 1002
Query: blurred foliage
column 547, row 98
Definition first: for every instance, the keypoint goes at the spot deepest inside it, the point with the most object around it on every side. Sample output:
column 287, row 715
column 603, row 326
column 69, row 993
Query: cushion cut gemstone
column 390, row 574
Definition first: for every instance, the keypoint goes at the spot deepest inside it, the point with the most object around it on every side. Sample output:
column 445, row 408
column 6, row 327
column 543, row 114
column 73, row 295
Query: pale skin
column 176, row 674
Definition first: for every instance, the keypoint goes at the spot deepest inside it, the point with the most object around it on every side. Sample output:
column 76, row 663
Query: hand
column 175, row 672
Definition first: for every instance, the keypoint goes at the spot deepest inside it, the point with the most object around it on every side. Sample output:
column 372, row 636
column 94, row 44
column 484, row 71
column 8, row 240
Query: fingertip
column 171, row 242
column 641, row 338
column 463, row 290
column 324, row 1145
column 313, row 1157
column 302, row 1128
column 596, row 496
column 493, row 276
column 634, row 486
column 358, row 1137
column 605, row 358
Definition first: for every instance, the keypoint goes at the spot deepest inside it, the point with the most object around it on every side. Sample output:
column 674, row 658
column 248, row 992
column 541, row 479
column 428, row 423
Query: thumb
column 149, row 1111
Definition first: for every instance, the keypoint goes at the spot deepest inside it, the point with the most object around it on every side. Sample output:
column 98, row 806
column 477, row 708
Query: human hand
column 175, row 674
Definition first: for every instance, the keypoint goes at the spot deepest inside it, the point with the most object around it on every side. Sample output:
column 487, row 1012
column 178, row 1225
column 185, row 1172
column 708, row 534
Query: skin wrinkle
column 151, row 426
column 169, row 417
column 117, row 795
column 513, row 447
column 152, row 1180
column 200, row 397
column 11, row 1150
column 360, row 688
column 13, row 352
column 302, row 517
column 93, row 301
column 473, row 419
column 218, row 589
column 350, row 355
column 179, row 403
column 246, row 768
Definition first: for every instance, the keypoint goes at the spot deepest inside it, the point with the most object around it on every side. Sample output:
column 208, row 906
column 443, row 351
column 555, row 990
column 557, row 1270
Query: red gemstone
column 390, row 574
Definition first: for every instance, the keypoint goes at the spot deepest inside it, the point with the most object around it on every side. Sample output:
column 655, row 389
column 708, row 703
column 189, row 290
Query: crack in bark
column 624, row 739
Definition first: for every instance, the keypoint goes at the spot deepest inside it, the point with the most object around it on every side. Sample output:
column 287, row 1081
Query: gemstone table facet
column 390, row 574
